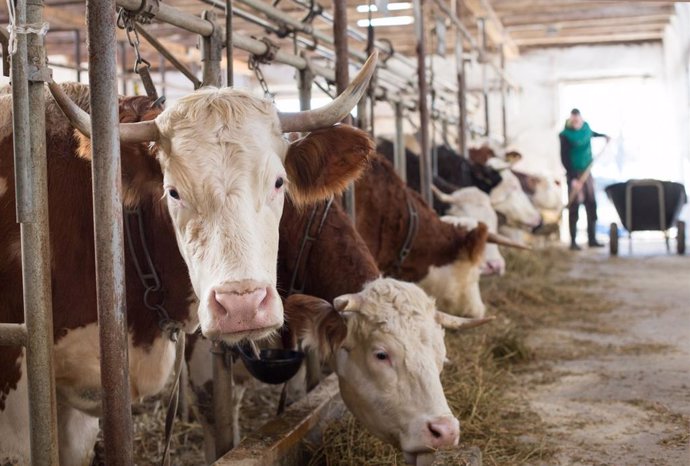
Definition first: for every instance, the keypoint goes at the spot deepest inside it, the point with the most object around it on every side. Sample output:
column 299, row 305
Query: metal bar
column 181, row 67
column 31, row 177
column 342, row 78
column 107, row 207
column 171, row 15
column 223, row 399
column 211, row 53
column 123, row 66
column 13, row 335
column 77, row 53
column 400, row 160
column 161, row 71
column 460, row 72
column 481, row 30
column 424, row 156
column 504, row 111
column 228, row 43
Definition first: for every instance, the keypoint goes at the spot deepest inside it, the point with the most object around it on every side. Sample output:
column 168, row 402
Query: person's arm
column 599, row 135
column 565, row 154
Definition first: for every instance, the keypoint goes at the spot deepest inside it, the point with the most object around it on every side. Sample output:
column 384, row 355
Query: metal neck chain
column 256, row 60
column 412, row 229
column 127, row 21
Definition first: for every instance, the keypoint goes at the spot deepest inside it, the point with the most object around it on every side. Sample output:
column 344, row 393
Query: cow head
column 467, row 207
column 386, row 345
column 508, row 198
column 226, row 169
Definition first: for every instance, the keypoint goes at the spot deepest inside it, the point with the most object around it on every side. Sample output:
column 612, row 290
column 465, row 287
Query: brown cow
column 443, row 259
column 387, row 352
column 151, row 352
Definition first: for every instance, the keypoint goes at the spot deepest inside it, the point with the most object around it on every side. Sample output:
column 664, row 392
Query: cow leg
column 77, row 432
column 14, row 421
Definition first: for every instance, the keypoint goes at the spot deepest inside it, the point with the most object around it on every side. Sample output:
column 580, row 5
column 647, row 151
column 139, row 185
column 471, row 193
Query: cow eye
column 174, row 194
column 381, row 355
column 280, row 181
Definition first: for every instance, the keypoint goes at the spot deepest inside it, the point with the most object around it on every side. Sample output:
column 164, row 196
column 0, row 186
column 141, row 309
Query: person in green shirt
column 576, row 156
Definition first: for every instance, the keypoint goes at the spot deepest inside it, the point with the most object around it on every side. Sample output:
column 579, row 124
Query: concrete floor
column 620, row 394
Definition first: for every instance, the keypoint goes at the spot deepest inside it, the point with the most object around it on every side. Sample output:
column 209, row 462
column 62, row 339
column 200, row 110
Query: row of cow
column 223, row 203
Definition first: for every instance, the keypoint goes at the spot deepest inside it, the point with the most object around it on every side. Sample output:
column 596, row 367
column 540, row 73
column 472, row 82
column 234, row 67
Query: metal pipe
column 77, row 53
column 181, row 67
column 107, row 207
column 342, row 78
column 424, row 156
column 504, row 113
column 171, row 15
column 399, row 159
column 460, row 73
column 161, row 71
column 211, row 52
column 13, row 335
column 29, row 72
column 123, row 66
column 481, row 30
column 228, row 43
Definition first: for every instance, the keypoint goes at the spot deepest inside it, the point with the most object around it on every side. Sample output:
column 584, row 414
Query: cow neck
column 339, row 261
column 383, row 217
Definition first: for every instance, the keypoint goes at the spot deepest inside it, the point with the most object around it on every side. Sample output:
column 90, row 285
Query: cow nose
column 493, row 267
column 240, row 308
column 443, row 431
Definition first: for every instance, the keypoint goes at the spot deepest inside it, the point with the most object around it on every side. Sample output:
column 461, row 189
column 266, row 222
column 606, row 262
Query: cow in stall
column 410, row 242
column 467, row 206
column 382, row 337
column 219, row 233
column 455, row 172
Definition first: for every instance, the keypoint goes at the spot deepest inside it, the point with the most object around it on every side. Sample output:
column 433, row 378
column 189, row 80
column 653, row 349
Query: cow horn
column 348, row 303
column 460, row 323
column 443, row 197
column 495, row 238
column 336, row 111
column 143, row 131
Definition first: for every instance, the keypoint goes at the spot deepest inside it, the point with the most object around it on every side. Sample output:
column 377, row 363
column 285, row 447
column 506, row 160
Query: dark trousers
column 586, row 197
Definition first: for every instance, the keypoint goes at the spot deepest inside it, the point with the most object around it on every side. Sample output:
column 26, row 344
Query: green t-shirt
column 580, row 146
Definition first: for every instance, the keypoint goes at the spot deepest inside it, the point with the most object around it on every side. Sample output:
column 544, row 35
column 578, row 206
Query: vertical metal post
column 342, row 77
column 123, row 66
column 211, row 53
column 161, row 71
column 400, row 159
column 504, row 111
column 424, row 156
column 462, row 93
column 28, row 75
column 109, row 244
column 228, row 43
column 481, row 23
column 77, row 52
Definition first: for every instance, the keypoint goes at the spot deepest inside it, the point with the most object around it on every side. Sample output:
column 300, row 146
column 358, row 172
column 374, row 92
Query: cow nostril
column 434, row 431
column 217, row 306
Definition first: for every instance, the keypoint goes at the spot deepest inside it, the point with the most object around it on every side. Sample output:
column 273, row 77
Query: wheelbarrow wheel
column 613, row 239
column 681, row 237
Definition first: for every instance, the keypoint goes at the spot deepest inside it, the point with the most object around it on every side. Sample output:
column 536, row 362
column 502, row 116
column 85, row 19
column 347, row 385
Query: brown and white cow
column 224, row 227
column 383, row 337
column 444, row 259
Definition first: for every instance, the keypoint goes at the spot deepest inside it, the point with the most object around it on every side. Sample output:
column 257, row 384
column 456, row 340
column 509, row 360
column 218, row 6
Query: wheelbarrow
column 647, row 205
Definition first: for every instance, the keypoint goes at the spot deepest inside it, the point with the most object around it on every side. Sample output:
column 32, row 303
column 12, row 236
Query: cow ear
column 315, row 322
column 324, row 162
column 475, row 242
column 348, row 303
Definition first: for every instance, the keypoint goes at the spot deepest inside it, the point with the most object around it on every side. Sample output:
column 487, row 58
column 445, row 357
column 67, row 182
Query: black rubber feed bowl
column 276, row 366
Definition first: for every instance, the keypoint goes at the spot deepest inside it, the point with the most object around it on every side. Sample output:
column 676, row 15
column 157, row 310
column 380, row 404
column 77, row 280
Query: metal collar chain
column 306, row 245
column 146, row 271
column 412, row 229
column 256, row 60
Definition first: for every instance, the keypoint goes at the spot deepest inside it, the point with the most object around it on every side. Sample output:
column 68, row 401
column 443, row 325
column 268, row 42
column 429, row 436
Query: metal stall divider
column 424, row 156
column 29, row 74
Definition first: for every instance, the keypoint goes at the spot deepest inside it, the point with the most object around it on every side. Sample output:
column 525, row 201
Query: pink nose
column 493, row 267
column 443, row 432
column 243, row 308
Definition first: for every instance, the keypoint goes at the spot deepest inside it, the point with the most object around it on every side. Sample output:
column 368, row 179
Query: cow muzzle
column 438, row 432
column 242, row 310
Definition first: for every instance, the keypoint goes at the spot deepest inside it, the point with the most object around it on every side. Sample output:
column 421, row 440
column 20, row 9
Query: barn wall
column 534, row 117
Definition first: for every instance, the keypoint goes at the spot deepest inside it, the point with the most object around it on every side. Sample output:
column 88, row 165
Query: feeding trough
column 273, row 365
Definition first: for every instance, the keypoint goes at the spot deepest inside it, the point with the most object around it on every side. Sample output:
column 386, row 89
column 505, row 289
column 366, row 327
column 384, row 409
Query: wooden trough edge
column 280, row 442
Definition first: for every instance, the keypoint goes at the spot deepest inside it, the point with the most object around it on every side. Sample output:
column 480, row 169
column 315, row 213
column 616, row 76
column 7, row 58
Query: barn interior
column 586, row 362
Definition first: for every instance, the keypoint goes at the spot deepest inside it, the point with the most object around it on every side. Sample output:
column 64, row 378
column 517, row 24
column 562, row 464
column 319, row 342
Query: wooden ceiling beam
column 589, row 40
column 610, row 21
column 593, row 31
column 494, row 27
column 527, row 17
